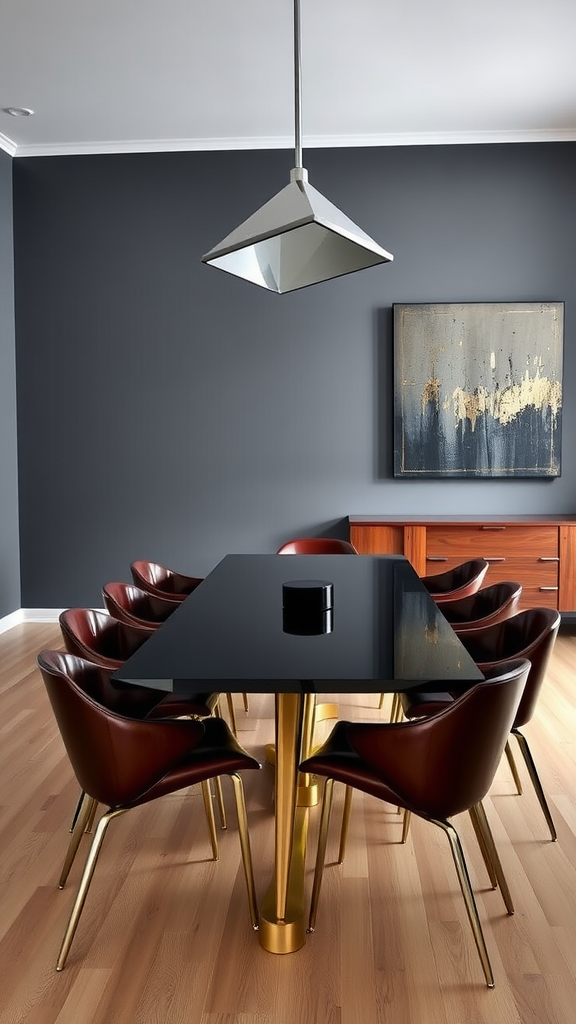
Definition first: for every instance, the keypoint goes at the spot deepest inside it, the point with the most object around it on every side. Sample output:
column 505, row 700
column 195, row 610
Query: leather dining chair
column 167, row 584
column 317, row 546
column 484, row 608
column 136, row 607
column 529, row 634
column 461, row 581
column 131, row 604
column 107, row 642
column 123, row 762
column 435, row 768
column 163, row 582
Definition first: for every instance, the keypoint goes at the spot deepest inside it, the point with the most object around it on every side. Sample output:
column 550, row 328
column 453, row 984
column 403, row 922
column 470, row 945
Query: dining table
column 298, row 626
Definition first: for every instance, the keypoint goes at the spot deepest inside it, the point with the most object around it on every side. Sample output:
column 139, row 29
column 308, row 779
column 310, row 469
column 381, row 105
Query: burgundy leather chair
column 484, row 608
column 529, row 634
column 317, row 546
column 163, row 582
column 461, row 581
column 124, row 762
column 435, row 768
column 131, row 604
column 108, row 642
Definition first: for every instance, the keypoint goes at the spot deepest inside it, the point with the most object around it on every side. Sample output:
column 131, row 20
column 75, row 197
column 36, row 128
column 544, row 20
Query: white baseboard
column 7, row 621
column 29, row 615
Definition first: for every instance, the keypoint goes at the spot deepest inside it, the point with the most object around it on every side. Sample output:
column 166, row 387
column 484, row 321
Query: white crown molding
column 287, row 142
column 7, row 145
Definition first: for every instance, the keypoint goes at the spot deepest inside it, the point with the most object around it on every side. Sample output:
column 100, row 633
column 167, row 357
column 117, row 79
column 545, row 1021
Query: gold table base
column 282, row 926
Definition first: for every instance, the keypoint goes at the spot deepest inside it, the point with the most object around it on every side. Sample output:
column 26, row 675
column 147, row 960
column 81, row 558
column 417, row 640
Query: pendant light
column 298, row 237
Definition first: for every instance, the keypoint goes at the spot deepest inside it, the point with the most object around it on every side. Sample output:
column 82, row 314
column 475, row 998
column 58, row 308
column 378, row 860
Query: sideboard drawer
column 478, row 541
column 540, row 580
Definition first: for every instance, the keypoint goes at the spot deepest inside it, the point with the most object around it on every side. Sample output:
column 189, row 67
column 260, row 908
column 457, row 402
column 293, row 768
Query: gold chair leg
column 84, row 885
column 86, row 811
column 381, row 701
column 513, row 768
column 525, row 751
column 345, row 822
column 405, row 825
column 245, row 847
column 220, row 799
column 483, row 848
column 209, row 809
column 479, row 814
column 232, row 713
column 470, row 902
column 321, row 852
column 92, row 815
column 245, row 701
column 77, row 810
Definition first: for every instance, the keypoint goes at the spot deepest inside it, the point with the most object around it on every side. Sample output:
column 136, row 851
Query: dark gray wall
column 9, row 543
column 168, row 410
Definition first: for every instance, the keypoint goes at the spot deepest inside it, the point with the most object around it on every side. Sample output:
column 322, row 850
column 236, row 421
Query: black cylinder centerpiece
column 307, row 607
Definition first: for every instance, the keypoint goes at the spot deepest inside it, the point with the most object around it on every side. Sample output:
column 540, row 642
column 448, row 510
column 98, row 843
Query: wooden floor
column 165, row 935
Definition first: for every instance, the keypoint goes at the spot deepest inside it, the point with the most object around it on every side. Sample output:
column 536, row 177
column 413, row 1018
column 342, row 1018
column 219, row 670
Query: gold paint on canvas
column 502, row 404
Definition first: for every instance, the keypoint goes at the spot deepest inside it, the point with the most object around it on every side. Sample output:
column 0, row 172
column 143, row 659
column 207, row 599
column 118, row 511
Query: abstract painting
column 478, row 389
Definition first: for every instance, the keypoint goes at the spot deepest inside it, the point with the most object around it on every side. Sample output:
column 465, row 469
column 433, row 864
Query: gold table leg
column 308, row 787
column 282, row 926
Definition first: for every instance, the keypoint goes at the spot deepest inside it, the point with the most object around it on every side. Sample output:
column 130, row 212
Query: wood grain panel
column 567, row 595
column 464, row 542
column 378, row 540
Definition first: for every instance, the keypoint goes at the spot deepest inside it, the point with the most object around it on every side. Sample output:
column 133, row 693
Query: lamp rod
column 297, row 88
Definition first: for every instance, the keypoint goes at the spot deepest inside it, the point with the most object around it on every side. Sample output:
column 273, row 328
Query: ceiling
column 108, row 76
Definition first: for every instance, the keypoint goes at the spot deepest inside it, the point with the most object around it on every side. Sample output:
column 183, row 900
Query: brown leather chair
column 317, row 546
column 108, row 642
column 124, row 762
column 136, row 607
column 163, row 582
column 131, row 604
column 435, row 768
column 484, row 608
column 461, row 581
column 529, row 634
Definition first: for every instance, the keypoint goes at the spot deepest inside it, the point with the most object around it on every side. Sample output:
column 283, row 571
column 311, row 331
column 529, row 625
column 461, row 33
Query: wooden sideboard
column 537, row 551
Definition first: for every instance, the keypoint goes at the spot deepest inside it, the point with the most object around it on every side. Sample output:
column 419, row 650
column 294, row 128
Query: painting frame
column 478, row 389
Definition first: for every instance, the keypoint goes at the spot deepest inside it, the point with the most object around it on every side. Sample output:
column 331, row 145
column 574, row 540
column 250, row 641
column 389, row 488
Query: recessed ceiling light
column 18, row 111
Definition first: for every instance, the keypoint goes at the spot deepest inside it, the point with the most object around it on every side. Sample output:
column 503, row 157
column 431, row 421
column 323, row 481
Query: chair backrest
column 100, row 637
column 461, row 581
column 317, row 546
column 445, row 764
column 131, row 604
column 486, row 607
column 116, row 759
column 529, row 634
column 158, row 579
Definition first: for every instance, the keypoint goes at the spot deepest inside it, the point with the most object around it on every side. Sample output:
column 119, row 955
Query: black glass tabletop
column 303, row 623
